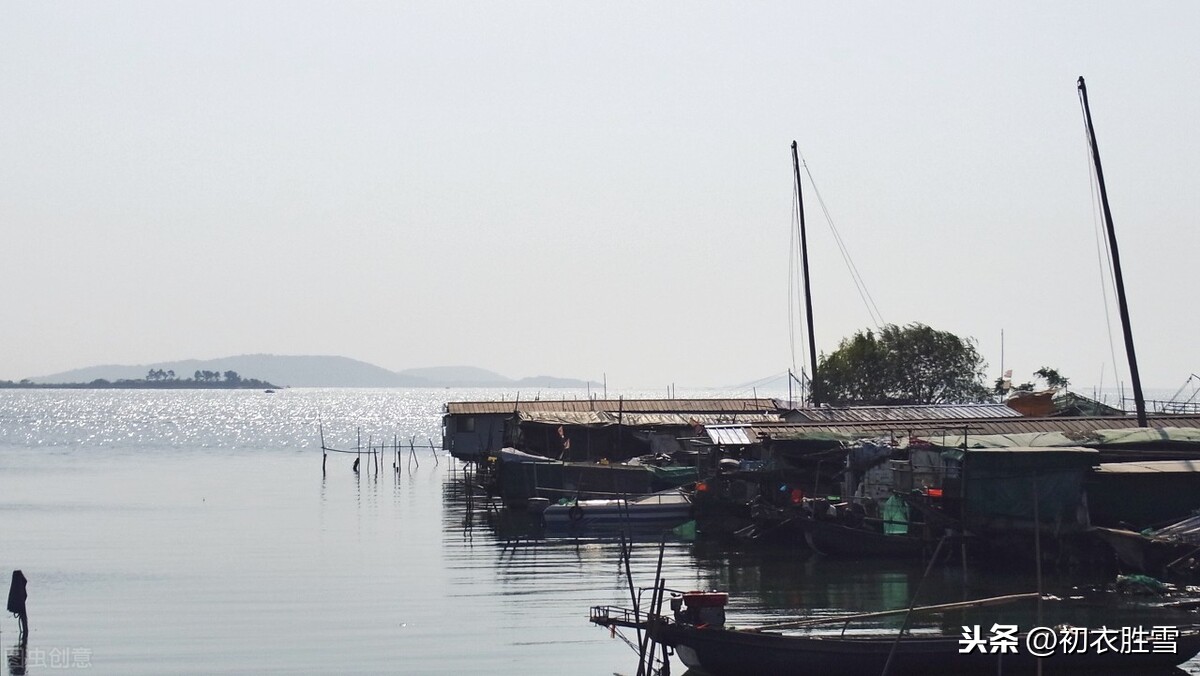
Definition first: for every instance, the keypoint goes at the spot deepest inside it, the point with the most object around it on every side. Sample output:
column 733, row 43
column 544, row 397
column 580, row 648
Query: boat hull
column 832, row 539
column 722, row 652
column 661, row 510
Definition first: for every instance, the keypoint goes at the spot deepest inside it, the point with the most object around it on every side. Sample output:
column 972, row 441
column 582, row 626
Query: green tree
column 232, row 376
column 1052, row 377
column 911, row 364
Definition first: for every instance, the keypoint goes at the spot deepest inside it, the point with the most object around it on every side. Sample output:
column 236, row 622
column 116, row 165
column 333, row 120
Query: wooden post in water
column 324, row 453
column 666, row 658
column 1037, row 552
column 620, row 415
column 646, row 655
column 626, row 555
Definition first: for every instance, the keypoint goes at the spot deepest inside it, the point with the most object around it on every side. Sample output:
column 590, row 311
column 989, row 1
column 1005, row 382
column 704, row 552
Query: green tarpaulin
column 895, row 516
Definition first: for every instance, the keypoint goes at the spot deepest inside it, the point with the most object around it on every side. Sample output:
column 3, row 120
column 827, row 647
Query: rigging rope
column 859, row 283
column 1103, row 253
column 795, row 256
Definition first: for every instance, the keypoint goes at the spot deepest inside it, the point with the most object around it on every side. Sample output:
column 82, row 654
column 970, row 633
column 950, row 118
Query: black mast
column 812, row 345
column 1139, row 401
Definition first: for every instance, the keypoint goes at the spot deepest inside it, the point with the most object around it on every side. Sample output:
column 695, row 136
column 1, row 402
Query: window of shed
column 466, row 424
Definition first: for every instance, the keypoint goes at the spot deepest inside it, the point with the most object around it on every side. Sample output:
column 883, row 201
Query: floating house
column 592, row 429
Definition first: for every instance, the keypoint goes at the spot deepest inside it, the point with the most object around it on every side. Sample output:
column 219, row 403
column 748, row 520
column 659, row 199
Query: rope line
column 859, row 283
column 1103, row 253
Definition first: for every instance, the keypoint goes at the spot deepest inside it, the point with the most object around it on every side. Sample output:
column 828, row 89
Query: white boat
column 666, row 509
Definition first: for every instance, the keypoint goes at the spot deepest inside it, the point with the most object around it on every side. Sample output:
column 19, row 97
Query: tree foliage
column 911, row 364
column 1052, row 377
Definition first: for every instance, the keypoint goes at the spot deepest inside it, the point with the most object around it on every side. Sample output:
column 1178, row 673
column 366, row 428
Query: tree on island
column 212, row 376
column 157, row 379
column 912, row 364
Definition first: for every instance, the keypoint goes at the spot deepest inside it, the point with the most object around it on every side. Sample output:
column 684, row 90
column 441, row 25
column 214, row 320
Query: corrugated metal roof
column 759, row 405
column 733, row 435
column 1153, row 466
column 972, row 427
column 885, row 413
column 605, row 418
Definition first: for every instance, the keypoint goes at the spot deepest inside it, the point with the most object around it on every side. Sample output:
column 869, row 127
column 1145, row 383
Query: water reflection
column 341, row 576
column 772, row 583
column 18, row 658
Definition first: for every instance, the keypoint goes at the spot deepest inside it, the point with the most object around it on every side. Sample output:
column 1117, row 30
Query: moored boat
column 834, row 539
column 698, row 635
column 720, row 652
column 665, row 508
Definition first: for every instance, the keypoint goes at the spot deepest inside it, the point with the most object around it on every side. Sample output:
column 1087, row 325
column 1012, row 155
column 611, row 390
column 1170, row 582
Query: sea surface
column 197, row 532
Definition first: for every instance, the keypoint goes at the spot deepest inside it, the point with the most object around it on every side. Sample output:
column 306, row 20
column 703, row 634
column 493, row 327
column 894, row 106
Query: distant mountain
column 457, row 376
column 473, row 376
column 314, row 371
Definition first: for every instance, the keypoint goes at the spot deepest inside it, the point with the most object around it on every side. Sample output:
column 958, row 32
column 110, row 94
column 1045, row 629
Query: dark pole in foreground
column 1138, row 400
column 813, row 397
column 16, row 603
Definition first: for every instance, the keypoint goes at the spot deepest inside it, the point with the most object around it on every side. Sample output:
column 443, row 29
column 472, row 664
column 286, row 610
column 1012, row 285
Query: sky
column 591, row 190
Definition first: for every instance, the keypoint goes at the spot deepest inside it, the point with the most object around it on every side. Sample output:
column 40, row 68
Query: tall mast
column 814, row 397
column 1139, row 401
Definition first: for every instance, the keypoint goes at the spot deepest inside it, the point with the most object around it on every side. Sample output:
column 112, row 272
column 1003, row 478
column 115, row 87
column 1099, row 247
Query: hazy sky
column 582, row 189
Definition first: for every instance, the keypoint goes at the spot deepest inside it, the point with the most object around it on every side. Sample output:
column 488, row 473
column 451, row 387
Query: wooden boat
column 834, row 539
column 833, row 531
column 699, row 637
column 665, row 509
column 1171, row 552
column 720, row 652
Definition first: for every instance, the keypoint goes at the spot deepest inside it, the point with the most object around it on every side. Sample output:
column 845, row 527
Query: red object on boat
column 699, row 599
column 934, row 492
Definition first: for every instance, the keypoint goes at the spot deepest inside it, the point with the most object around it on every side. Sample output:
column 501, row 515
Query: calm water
column 193, row 532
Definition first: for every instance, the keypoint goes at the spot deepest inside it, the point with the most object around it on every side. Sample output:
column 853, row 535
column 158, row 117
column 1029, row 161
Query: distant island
column 156, row 379
column 295, row 371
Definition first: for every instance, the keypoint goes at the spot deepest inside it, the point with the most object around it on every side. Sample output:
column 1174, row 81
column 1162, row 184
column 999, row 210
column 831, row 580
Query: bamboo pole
column 324, row 453
column 977, row 603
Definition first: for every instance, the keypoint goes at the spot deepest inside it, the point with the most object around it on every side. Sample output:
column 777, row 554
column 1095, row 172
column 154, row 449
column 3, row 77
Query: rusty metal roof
column 976, row 426
column 606, row 418
column 759, row 405
column 926, row 412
